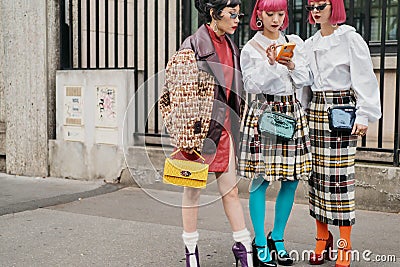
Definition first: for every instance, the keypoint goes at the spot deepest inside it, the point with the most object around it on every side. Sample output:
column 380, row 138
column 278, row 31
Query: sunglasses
column 319, row 7
column 234, row 15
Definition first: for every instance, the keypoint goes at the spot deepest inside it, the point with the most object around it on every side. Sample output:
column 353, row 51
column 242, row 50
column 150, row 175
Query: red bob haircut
column 338, row 14
column 268, row 6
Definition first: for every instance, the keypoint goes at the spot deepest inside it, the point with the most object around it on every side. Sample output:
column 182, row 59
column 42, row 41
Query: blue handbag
column 277, row 124
column 341, row 118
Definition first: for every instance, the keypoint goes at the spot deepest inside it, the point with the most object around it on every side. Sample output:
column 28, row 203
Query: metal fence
column 142, row 35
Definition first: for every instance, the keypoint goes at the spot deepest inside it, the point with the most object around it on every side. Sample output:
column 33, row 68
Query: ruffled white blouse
column 261, row 77
column 341, row 61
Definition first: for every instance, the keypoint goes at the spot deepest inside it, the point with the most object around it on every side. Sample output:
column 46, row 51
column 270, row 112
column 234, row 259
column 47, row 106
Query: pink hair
column 338, row 14
column 267, row 6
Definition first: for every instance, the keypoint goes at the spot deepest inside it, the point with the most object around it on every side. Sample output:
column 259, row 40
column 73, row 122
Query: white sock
column 190, row 240
column 244, row 237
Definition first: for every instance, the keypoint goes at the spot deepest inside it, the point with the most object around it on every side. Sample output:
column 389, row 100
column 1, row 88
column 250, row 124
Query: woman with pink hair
column 343, row 76
column 265, row 158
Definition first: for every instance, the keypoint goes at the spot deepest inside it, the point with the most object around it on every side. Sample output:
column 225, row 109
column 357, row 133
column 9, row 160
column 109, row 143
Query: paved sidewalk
column 20, row 193
column 97, row 224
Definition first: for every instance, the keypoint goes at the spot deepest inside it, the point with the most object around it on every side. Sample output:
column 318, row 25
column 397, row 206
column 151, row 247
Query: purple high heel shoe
column 196, row 253
column 240, row 253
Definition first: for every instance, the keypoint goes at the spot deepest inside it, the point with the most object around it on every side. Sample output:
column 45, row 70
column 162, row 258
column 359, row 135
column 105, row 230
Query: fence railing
column 142, row 35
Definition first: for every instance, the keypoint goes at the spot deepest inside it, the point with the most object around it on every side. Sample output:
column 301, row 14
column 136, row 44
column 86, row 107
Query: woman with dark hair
column 265, row 158
column 343, row 76
column 208, row 61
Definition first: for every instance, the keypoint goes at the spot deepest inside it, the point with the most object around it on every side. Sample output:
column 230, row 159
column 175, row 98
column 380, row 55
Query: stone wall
column 29, row 59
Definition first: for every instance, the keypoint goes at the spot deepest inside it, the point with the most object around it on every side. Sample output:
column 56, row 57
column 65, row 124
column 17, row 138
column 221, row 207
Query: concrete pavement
column 59, row 222
column 20, row 193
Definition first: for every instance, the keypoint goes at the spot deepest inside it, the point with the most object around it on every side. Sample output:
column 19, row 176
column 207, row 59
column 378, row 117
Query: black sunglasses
column 234, row 15
column 319, row 7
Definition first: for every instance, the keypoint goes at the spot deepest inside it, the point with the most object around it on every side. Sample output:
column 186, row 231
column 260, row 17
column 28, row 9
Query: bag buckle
column 186, row 173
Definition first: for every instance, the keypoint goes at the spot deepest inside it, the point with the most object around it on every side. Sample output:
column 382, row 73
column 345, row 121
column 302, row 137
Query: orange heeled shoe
column 318, row 259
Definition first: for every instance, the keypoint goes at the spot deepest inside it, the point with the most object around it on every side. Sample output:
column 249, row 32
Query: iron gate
column 142, row 35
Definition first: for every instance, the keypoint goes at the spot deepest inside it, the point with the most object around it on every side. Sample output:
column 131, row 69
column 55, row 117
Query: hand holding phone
column 286, row 51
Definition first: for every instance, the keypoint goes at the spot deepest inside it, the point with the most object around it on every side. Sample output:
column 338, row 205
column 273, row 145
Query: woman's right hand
column 271, row 53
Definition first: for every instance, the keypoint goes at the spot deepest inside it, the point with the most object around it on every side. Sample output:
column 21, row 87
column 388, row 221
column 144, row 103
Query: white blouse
column 261, row 77
column 341, row 61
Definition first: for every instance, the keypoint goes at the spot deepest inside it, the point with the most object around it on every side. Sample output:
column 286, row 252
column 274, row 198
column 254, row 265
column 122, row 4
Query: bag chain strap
column 320, row 81
column 197, row 153
column 261, row 50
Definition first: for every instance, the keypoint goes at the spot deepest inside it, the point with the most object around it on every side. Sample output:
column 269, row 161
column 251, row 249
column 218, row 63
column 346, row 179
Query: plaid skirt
column 332, row 183
column 273, row 158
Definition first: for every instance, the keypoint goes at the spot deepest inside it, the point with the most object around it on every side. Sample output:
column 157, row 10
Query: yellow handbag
column 184, row 172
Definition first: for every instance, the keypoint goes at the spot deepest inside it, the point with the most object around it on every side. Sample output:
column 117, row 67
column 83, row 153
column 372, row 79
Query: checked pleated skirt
column 273, row 158
column 332, row 183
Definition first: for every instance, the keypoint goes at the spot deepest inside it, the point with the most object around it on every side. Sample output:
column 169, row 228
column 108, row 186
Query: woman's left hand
column 287, row 61
column 359, row 129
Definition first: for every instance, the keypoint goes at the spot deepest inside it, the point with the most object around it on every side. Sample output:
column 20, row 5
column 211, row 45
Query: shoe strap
column 322, row 239
column 275, row 241
column 249, row 252
column 190, row 254
column 260, row 246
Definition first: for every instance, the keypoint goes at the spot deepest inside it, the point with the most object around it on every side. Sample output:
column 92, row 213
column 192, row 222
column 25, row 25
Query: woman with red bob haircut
column 338, row 13
column 268, row 158
column 342, row 76
column 270, row 6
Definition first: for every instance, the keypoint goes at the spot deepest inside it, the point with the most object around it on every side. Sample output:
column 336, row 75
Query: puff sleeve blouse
column 342, row 61
column 261, row 77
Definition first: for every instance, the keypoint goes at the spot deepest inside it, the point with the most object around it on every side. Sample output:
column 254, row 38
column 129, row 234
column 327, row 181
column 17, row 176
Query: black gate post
column 186, row 19
column 291, row 16
column 396, row 148
column 65, row 62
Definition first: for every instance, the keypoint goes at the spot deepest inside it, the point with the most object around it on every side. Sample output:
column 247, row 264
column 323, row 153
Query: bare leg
column 227, row 184
column 190, row 209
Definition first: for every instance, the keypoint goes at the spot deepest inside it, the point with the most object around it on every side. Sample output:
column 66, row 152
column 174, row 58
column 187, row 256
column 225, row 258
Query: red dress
column 219, row 161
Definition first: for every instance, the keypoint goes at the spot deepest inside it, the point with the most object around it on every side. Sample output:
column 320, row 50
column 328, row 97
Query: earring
column 215, row 27
column 334, row 25
column 259, row 22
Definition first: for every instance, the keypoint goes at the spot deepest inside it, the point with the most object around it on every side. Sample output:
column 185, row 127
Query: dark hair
column 204, row 7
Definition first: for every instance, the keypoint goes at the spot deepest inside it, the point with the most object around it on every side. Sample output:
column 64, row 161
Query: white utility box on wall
column 94, row 123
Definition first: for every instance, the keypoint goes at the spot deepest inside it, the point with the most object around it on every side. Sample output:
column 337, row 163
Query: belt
column 272, row 98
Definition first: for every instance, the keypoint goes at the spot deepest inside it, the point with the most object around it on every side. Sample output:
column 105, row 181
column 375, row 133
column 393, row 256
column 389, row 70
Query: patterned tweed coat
column 193, row 102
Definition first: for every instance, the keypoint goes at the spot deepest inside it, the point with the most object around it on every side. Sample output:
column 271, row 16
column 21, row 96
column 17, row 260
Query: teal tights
column 283, row 207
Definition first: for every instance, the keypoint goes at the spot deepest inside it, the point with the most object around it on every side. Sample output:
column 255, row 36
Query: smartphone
column 286, row 50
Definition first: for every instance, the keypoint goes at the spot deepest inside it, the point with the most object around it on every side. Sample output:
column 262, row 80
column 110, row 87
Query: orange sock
column 322, row 233
column 344, row 255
